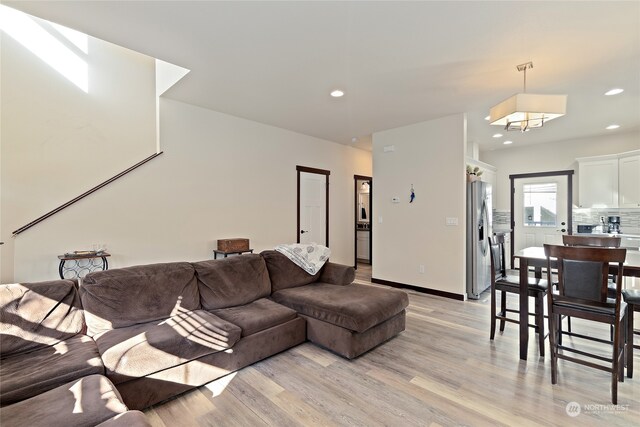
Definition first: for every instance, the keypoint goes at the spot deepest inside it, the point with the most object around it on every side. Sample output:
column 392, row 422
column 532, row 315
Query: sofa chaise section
column 41, row 343
column 345, row 318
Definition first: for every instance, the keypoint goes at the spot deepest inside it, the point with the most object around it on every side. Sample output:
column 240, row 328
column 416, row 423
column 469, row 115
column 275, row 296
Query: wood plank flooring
column 441, row 371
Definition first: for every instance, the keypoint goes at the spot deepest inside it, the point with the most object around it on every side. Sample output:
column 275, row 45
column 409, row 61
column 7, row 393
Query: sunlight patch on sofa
column 61, row 348
column 76, row 390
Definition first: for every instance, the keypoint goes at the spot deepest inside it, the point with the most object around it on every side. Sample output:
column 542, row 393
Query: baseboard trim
column 418, row 289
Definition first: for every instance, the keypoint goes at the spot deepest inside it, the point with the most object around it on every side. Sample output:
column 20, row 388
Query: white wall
column 219, row 177
column 431, row 156
column 560, row 155
column 58, row 141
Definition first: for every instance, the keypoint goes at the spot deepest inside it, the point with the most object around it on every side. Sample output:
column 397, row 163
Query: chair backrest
column 599, row 241
column 583, row 271
column 496, row 246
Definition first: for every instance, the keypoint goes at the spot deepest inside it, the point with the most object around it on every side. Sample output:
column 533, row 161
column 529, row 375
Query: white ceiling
column 398, row 62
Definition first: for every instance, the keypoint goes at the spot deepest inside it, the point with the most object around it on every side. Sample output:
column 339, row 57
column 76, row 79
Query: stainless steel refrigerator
column 479, row 207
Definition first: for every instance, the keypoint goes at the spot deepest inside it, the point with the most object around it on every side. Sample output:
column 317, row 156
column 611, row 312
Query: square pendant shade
column 527, row 110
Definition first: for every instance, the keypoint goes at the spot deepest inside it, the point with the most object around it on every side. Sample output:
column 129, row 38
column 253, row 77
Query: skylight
column 48, row 45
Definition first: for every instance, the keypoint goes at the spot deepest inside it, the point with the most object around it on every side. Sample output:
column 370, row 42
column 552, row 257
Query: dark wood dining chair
column 632, row 298
column 598, row 241
column 595, row 241
column 505, row 281
column 583, row 293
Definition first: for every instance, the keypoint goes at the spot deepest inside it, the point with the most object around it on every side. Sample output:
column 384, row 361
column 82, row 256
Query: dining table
column 534, row 257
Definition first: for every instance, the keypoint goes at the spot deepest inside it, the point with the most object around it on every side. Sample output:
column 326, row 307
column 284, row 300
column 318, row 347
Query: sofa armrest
column 337, row 274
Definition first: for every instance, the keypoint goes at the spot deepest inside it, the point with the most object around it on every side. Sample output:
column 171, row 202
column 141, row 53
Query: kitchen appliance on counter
column 479, row 204
column 613, row 225
column 585, row 228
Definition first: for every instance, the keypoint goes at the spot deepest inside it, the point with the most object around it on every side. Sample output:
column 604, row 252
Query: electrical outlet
column 421, row 269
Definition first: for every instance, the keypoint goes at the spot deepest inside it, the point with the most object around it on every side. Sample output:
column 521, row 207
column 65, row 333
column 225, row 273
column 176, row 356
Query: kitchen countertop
column 504, row 230
column 631, row 241
column 633, row 236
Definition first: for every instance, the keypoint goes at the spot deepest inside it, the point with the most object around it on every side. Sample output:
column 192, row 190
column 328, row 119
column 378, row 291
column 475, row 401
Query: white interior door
column 313, row 208
column 540, row 210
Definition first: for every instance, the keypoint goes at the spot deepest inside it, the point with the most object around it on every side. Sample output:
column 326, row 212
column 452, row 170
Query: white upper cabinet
column 598, row 183
column 609, row 181
column 629, row 181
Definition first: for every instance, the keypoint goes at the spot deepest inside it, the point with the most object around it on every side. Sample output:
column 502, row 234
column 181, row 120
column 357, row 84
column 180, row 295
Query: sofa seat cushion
column 354, row 307
column 144, row 349
column 86, row 402
column 257, row 316
column 27, row 374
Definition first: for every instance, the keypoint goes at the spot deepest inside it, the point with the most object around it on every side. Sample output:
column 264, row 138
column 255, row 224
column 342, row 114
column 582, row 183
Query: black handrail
column 83, row 195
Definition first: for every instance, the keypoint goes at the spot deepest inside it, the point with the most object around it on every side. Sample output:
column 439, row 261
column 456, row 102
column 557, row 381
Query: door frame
column 356, row 178
column 326, row 173
column 568, row 173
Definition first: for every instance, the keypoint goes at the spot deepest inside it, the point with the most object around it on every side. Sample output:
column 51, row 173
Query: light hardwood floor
column 441, row 371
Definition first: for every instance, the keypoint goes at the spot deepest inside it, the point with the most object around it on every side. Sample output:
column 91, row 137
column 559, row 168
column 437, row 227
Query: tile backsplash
column 501, row 218
column 629, row 218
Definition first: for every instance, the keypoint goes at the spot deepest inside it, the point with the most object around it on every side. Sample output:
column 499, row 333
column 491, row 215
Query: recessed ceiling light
column 497, row 135
column 337, row 93
column 611, row 127
column 614, row 91
column 354, row 139
column 487, row 118
column 508, row 142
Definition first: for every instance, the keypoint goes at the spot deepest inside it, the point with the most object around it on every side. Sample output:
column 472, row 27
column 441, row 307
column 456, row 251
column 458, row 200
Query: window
column 540, row 204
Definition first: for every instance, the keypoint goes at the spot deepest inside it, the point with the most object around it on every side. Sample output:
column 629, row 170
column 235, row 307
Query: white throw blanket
column 310, row 257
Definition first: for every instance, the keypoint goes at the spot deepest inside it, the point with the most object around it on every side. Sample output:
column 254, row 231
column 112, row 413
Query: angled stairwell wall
column 60, row 139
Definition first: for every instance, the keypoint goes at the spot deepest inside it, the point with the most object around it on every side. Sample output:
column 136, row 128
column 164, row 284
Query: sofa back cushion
column 128, row 296
column 232, row 281
column 34, row 315
column 284, row 273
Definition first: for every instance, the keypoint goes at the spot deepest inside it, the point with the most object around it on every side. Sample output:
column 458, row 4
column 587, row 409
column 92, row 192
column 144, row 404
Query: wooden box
column 233, row 245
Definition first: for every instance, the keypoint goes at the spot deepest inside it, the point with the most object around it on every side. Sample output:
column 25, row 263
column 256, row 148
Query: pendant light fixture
column 524, row 111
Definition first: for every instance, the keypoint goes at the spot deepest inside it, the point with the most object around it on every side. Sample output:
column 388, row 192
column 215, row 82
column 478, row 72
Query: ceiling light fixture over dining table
column 525, row 111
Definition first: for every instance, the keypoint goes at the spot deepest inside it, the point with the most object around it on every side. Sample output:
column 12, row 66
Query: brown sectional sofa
column 161, row 329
